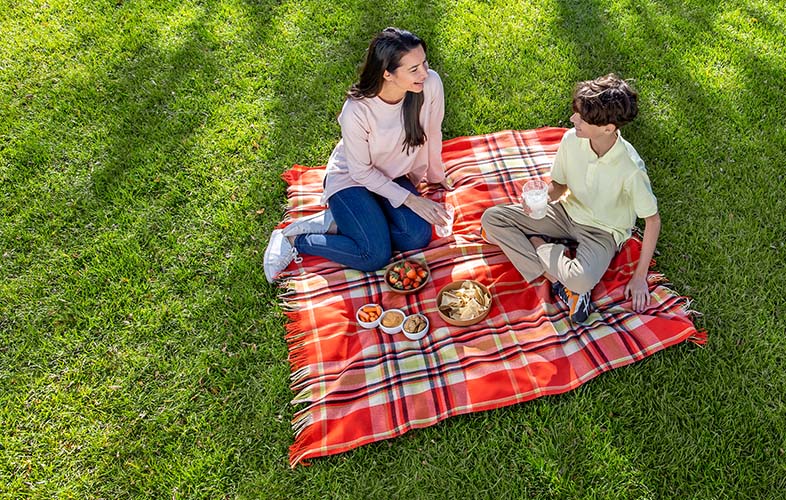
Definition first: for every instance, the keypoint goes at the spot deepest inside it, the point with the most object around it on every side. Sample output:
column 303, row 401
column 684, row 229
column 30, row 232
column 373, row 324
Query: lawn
column 141, row 144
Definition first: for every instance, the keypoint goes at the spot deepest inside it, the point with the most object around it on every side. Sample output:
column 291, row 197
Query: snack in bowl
column 368, row 315
column 463, row 303
column 415, row 327
column 391, row 321
column 406, row 276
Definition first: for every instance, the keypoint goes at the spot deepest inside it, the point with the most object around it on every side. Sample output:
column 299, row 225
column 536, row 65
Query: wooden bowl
column 389, row 273
column 462, row 322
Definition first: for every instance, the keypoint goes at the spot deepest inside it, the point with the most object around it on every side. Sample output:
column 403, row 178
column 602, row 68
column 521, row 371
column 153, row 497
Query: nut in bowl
column 463, row 303
column 391, row 320
column 368, row 315
column 407, row 276
column 415, row 327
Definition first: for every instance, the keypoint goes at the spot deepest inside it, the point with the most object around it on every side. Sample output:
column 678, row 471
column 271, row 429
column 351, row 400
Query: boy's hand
column 525, row 207
column 639, row 293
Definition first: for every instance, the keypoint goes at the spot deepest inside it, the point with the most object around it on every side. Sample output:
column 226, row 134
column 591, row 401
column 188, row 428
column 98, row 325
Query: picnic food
column 415, row 323
column 415, row 327
column 369, row 313
column 463, row 303
column 392, row 319
column 406, row 276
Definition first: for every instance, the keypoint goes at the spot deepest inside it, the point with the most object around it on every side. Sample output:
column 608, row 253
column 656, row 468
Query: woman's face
column 411, row 73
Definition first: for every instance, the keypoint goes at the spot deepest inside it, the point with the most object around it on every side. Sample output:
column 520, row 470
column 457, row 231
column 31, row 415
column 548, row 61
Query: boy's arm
column 556, row 190
column 637, row 288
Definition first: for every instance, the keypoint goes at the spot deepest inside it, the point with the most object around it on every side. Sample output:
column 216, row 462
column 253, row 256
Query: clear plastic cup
column 535, row 195
column 447, row 229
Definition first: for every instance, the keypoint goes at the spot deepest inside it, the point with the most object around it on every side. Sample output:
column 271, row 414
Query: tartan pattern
column 355, row 386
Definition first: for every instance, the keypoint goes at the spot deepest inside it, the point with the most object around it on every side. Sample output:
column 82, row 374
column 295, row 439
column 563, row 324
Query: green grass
column 141, row 143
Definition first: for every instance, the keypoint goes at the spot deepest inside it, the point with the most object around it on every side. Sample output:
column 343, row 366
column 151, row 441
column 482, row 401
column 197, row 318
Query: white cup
column 447, row 229
column 535, row 195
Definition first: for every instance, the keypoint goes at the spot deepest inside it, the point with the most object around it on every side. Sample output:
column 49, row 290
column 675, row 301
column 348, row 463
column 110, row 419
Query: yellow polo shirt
column 607, row 192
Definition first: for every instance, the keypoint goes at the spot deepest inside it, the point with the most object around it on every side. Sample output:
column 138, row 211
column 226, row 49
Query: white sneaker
column 318, row 223
column 278, row 255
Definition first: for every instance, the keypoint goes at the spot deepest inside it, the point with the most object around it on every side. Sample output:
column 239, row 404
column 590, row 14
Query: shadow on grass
column 129, row 310
column 312, row 67
column 700, row 132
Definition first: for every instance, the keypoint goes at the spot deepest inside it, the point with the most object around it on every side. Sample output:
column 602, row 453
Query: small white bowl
column 390, row 330
column 420, row 333
column 369, row 324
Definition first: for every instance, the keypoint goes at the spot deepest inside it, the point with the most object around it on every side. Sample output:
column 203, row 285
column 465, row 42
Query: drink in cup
column 447, row 229
column 536, row 196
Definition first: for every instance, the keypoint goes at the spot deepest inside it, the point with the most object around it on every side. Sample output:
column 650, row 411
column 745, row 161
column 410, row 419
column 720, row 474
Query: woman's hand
column 430, row 211
column 445, row 184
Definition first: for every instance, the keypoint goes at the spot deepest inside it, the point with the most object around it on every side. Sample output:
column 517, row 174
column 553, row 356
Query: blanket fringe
column 699, row 338
column 687, row 307
column 299, row 374
column 304, row 396
column 293, row 327
column 300, row 421
column 298, row 452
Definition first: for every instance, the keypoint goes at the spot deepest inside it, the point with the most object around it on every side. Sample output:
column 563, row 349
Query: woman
column 391, row 140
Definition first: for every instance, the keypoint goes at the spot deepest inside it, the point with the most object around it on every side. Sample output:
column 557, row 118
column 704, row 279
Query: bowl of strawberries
column 407, row 276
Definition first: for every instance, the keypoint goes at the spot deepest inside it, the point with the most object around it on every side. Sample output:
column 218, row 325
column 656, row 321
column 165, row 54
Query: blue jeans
column 369, row 229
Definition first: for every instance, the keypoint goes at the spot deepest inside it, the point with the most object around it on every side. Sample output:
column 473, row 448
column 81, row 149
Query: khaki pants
column 509, row 227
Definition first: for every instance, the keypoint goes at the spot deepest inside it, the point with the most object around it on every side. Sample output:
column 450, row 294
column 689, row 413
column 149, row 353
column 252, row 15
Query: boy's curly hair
column 606, row 99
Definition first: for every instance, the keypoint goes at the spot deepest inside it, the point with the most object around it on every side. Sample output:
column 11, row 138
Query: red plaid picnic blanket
column 355, row 386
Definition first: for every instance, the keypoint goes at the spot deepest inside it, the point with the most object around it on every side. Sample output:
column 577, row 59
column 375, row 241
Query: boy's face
column 588, row 131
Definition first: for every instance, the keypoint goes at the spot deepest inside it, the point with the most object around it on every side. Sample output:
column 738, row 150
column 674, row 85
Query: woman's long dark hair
column 384, row 54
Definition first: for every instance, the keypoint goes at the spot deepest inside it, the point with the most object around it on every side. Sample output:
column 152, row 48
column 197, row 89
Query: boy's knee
column 490, row 221
column 490, row 217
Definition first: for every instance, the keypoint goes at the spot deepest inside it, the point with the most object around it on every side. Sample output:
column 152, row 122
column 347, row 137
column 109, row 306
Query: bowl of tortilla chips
column 463, row 303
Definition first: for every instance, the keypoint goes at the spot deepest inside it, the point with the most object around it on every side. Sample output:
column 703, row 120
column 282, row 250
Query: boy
column 606, row 187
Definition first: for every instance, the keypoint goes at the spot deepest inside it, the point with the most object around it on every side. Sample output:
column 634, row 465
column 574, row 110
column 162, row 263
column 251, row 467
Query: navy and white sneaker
column 558, row 290
column 579, row 304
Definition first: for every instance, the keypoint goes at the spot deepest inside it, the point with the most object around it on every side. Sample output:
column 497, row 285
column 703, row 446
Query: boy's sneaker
column 318, row 223
column 579, row 304
column 278, row 255
column 558, row 290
